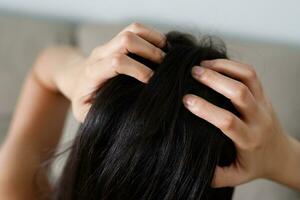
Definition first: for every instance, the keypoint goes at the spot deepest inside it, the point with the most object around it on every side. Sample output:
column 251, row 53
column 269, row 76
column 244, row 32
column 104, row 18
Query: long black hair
column 139, row 142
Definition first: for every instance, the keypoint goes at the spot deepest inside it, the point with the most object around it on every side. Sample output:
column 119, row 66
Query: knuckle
column 218, row 62
column 136, row 25
column 241, row 92
column 252, row 142
column 253, row 145
column 251, row 73
column 126, row 38
column 116, row 60
column 207, row 74
column 198, row 102
column 228, row 122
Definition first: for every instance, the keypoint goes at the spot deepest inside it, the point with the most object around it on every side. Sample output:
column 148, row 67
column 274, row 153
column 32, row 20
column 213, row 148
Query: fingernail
column 162, row 56
column 197, row 70
column 151, row 74
column 206, row 63
column 149, row 77
column 188, row 100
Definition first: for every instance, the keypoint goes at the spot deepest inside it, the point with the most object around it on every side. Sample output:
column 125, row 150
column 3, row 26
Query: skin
column 62, row 77
column 264, row 150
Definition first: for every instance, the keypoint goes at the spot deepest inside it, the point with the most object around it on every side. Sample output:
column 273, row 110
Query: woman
column 63, row 74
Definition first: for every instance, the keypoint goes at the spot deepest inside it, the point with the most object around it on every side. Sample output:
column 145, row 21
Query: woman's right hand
column 79, row 77
column 263, row 149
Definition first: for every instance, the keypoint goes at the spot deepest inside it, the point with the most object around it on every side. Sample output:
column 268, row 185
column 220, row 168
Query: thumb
column 229, row 176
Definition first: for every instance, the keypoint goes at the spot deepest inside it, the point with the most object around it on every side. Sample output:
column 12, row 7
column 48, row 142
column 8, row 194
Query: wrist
column 288, row 166
column 68, row 75
column 52, row 63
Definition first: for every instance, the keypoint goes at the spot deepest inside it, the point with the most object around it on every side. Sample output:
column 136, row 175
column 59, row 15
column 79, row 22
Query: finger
column 148, row 34
column 110, row 67
column 239, row 71
column 237, row 92
column 229, row 176
column 130, row 42
column 227, row 122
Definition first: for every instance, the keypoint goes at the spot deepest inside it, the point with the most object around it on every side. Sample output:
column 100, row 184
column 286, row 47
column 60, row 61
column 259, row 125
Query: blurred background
column 264, row 33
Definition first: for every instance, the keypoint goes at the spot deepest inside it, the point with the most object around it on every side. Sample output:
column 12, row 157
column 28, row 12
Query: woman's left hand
column 263, row 148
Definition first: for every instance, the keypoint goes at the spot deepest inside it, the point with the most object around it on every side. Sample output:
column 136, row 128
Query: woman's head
column 139, row 141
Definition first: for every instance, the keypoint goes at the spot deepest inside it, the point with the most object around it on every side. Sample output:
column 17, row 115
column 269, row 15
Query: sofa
column 278, row 66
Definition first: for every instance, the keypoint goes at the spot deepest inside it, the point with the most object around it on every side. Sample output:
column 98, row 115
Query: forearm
column 33, row 135
column 35, row 129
